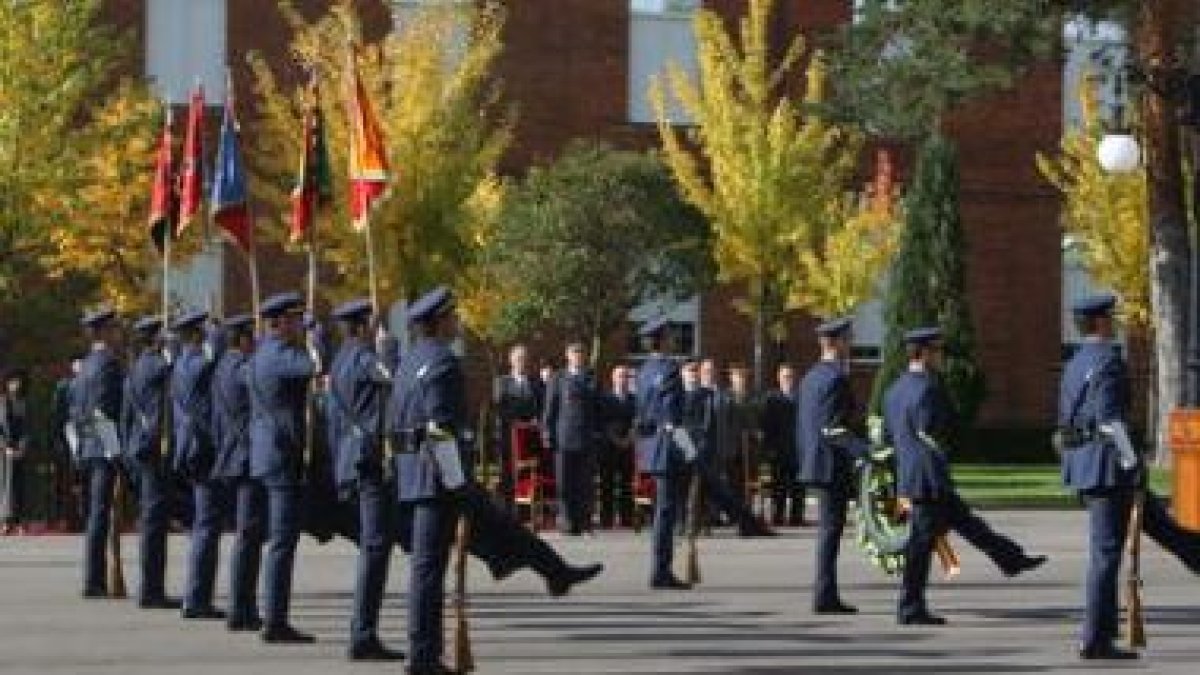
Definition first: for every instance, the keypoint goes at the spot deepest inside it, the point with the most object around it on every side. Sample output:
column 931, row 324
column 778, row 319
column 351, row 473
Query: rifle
column 692, row 574
column 1135, row 620
column 464, row 661
column 116, row 573
column 947, row 556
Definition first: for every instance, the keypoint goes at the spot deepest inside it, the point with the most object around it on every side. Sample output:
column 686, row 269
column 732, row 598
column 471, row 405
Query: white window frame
column 660, row 33
column 684, row 312
column 186, row 43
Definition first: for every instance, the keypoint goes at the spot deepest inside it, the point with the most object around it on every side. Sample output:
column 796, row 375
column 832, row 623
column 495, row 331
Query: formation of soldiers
column 233, row 414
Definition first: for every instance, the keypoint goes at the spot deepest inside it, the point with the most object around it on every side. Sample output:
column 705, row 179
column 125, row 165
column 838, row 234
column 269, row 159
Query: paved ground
column 750, row 616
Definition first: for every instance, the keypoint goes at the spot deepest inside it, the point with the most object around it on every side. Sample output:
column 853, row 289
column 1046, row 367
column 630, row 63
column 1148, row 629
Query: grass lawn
column 1026, row 485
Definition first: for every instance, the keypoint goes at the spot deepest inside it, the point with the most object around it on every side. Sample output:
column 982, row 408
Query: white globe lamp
column 1119, row 153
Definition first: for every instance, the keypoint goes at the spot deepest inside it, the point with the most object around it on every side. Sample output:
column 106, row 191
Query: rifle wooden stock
column 116, row 573
column 692, row 570
column 1135, row 620
column 464, row 660
column 947, row 557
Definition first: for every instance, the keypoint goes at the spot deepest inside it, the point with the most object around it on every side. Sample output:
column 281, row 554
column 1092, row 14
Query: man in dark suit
column 917, row 421
column 779, row 443
column 95, row 413
column 830, row 438
column 616, row 461
column 142, row 428
column 572, row 426
column 14, row 451
column 278, row 376
column 516, row 398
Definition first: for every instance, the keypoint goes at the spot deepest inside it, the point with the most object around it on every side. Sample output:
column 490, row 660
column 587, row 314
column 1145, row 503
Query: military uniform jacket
column 429, row 387
column 141, row 414
column 779, row 426
column 277, row 378
column 98, row 387
column 699, row 417
column 1095, row 390
column 358, row 386
column 616, row 415
column 826, row 440
column 659, row 405
column 916, row 419
column 192, row 410
column 231, row 416
column 572, row 415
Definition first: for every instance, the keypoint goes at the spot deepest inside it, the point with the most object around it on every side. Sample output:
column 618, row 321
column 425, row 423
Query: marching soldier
column 195, row 453
column 572, row 427
column 142, row 422
column 1099, row 462
column 517, row 397
column 779, row 441
column 917, row 419
column 358, row 383
column 95, row 411
column 278, row 376
column 659, row 417
column 829, row 442
column 231, row 436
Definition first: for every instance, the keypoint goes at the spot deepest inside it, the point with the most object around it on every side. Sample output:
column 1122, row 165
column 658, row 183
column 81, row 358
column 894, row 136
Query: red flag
column 368, row 155
column 163, row 196
column 314, row 186
column 191, row 173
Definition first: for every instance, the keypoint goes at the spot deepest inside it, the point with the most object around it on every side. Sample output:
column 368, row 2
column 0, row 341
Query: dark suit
column 97, row 390
column 615, row 462
column 231, row 432
column 142, row 425
column 779, row 443
column 514, row 400
column 358, row 387
column 918, row 419
column 700, row 416
column 826, row 433
column 278, row 376
column 14, row 434
column 572, row 419
column 1095, row 392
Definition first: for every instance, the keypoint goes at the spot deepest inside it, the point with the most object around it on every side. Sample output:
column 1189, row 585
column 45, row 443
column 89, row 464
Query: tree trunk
column 759, row 303
column 1170, row 248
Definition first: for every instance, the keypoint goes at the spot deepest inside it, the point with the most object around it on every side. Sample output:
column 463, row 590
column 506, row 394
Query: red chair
column 533, row 475
column 642, row 489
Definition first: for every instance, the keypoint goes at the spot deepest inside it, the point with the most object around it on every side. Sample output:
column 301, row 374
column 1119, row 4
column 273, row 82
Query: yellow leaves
column 432, row 86
column 1107, row 215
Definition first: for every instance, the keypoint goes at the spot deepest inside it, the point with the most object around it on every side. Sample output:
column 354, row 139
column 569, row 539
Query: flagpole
column 255, row 292
column 372, row 278
column 167, row 236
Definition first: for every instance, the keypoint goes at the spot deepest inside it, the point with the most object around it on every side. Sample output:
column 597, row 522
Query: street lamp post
column 1119, row 153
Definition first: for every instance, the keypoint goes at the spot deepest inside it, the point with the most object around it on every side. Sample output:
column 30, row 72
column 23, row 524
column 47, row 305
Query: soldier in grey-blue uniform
column 1099, row 462
column 917, row 419
column 142, row 431
column 95, row 410
column 195, row 455
column 278, row 376
column 829, row 441
column 659, row 414
column 572, row 425
column 231, row 435
column 359, row 380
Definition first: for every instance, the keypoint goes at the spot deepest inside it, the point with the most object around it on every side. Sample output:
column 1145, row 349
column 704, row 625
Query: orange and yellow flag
column 368, row 154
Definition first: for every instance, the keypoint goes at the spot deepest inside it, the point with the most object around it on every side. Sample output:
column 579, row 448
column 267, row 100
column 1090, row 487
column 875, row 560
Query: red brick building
column 573, row 67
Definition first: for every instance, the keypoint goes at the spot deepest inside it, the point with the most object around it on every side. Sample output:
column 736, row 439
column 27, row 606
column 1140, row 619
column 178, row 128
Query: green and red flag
column 163, row 195
column 368, row 154
column 314, row 185
column 191, row 171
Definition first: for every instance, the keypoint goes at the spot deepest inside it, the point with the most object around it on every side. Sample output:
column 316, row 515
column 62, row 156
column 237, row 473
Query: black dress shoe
column 202, row 613
column 1106, row 652
column 161, row 602
column 756, row 529
column 925, row 619
column 838, row 607
column 1027, row 563
column 94, row 593
column 284, row 634
column 670, row 583
column 561, row 584
column 244, row 624
column 373, row 650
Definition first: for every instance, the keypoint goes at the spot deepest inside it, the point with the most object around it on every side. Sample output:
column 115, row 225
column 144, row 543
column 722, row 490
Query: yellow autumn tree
column 1107, row 214
column 431, row 82
column 769, row 174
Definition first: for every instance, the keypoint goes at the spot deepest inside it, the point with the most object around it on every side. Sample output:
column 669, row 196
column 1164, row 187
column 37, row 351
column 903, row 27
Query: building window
column 660, row 33
column 405, row 11
column 1094, row 49
column 866, row 338
column 185, row 44
column 683, row 317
